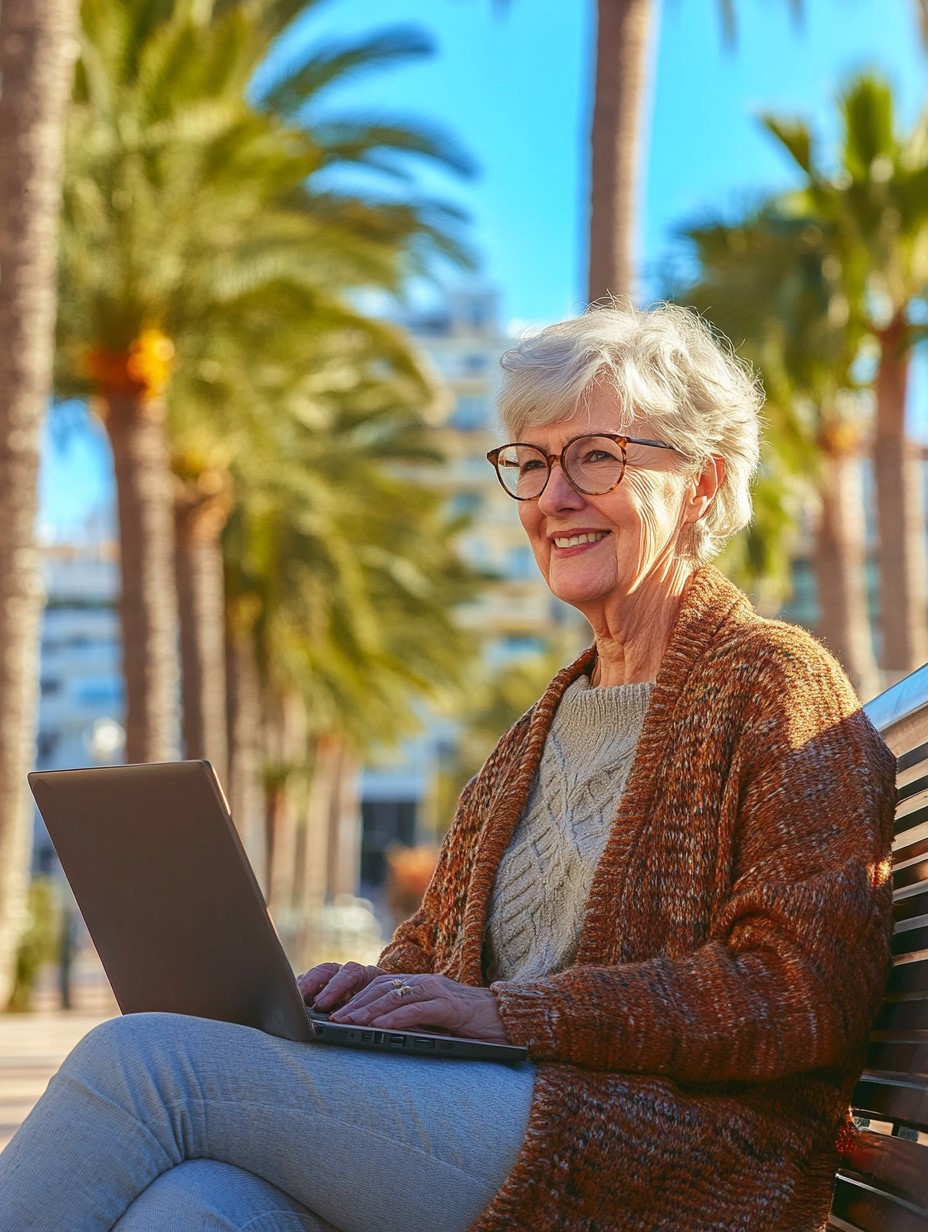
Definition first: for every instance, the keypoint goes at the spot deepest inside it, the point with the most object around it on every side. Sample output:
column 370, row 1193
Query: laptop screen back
column 168, row 895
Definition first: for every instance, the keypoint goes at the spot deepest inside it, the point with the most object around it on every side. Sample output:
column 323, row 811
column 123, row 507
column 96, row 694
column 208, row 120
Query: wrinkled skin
column 367, row 996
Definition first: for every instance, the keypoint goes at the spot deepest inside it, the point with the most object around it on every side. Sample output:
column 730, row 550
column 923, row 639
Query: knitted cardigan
column 695, row 1064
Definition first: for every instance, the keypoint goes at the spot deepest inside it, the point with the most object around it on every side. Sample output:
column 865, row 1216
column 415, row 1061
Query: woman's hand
column 431, row 1002
column 331, row 984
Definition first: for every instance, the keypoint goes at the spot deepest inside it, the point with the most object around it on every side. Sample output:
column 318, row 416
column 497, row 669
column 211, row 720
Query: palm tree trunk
column 35, row 67
column 622, row 51
column 148, row 599
column 900, row 512
column 322, row 863
column 245, row 725
column 322, row 804
column 287, row 747
column 343, row 855
column 198, row 522
column 840, row 570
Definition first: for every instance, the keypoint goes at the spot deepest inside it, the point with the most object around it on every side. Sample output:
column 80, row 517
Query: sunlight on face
column 596, row 549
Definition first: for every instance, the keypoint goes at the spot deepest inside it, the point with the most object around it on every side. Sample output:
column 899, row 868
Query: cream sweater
column 544, row 879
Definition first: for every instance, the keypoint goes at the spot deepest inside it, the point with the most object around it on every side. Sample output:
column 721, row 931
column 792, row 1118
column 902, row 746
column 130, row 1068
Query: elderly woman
column 668, row 882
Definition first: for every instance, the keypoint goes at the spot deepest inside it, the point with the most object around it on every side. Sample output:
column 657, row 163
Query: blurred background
column 258, row 262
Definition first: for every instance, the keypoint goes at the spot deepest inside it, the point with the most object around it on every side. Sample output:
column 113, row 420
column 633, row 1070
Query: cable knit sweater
column 543, row 881
column 695, row 1062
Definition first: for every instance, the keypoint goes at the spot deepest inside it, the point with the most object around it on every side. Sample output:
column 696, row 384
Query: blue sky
column 512, row 83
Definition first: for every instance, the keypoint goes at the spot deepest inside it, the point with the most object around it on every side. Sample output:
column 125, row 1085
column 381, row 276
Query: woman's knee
column 127, row 1036
column 204, row 1195
column 143, row 1062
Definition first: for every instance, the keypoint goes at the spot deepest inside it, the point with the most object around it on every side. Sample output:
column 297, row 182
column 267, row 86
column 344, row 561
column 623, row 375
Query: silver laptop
column 176, row 913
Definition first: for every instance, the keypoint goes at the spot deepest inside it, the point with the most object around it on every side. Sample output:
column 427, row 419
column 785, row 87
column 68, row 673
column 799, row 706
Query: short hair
column 666, row 364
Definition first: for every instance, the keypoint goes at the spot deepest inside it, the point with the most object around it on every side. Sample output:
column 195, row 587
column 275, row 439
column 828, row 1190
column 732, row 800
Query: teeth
column 572, row 541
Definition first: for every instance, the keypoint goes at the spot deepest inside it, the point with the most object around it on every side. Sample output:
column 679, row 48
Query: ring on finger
column 398, row 984
column 402, row 990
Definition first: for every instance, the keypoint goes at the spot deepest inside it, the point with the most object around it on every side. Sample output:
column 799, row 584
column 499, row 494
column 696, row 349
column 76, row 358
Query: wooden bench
column 882, row 1185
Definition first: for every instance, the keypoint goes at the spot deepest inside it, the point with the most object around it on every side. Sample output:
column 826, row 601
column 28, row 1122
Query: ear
column 702, row 490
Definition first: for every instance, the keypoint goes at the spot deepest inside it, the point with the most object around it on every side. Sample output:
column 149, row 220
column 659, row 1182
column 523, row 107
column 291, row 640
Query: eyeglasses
column 592, row 464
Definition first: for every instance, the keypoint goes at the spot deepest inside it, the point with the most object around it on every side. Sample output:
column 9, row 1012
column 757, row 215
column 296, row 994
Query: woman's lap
column 368, row 1141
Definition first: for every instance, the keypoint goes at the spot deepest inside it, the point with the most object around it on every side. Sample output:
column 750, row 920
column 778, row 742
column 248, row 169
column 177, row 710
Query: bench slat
column 911, row 940
column 900, row 1056
column 906, row 979
column 910, row 906
column 916, row 845
column 901, row 1100
column 915, row 787
column 911, row 757
column 908, row 821
column 910, row 1014
column 914, row 874
column 896, row 1163
column 861, row 1207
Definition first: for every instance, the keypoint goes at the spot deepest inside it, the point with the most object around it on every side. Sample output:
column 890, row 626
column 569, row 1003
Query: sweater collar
column 709, row 601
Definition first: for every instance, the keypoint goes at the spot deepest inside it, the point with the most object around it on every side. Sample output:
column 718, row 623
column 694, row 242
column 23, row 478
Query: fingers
column 412, row 1015
column 401, row 999
column 384, row 986
column 431, row 1002
column 344, row 984
column 312, row 981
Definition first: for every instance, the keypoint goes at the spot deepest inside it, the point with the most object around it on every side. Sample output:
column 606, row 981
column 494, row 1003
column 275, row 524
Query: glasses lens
column 595, row 464
column 523, row 470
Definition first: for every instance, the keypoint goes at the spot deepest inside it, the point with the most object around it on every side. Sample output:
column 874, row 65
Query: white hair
column 666, row 365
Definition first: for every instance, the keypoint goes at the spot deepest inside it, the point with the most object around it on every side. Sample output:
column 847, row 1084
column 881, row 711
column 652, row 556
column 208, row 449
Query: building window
column 383, row 824
column 520, row 563
column 99, row 693
column 45, row 747
column 465, row 504
column 522, row 644
column 469, row 414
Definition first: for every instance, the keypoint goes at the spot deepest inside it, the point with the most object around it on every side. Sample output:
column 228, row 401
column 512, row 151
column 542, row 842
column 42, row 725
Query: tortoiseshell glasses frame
column 593, row 464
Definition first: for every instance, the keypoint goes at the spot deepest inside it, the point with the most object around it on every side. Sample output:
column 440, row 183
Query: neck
column 632, row 632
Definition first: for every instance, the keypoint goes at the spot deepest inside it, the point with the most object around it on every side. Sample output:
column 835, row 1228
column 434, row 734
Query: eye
column 531, row 464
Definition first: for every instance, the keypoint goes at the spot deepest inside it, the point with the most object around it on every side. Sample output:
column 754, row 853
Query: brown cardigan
column 695, row 1064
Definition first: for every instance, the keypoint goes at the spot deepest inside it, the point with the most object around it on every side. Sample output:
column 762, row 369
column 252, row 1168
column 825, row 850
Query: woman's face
column 592, row 549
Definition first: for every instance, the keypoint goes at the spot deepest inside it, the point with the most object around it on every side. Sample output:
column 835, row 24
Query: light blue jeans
column 160, row 1123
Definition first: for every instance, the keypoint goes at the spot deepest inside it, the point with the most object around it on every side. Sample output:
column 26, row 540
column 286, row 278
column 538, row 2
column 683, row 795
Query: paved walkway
column 32, row 1046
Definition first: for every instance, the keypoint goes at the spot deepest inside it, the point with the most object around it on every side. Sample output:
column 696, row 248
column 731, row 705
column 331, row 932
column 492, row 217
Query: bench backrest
column 883, row 1183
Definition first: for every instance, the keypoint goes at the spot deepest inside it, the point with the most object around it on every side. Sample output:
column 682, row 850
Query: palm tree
column 771, row 283
column 340, row 602
column 184, row 199
column 621, row 82
column 35, row 67
column 285, row 351
column 875, row 212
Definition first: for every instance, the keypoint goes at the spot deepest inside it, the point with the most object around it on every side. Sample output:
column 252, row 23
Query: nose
column 558, row 493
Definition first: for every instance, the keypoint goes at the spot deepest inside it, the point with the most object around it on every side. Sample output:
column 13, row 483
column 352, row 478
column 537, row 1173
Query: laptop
column 176, row 913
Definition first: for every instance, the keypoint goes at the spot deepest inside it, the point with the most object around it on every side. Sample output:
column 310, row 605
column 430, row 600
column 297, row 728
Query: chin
column 583, row 596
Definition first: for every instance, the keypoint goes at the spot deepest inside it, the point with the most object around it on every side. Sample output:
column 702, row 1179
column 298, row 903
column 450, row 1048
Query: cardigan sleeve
column 791, row 974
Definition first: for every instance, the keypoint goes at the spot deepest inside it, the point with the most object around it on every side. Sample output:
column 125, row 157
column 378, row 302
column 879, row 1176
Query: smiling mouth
column 573, row 541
